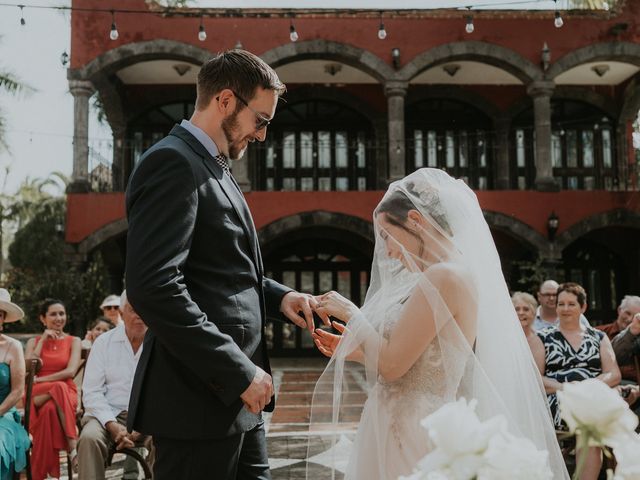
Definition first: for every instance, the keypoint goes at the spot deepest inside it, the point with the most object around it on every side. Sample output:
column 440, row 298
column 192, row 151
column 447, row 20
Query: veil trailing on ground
column 437, row 324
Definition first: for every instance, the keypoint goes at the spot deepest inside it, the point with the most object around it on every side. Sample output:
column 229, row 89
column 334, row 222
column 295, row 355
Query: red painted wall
column 523, row 32
column 89, row 212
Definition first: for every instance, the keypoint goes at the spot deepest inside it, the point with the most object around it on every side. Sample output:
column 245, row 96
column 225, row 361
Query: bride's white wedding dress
column 437, row 324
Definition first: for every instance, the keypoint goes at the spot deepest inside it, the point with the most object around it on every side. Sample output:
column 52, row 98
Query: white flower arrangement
column 467, row 448
column 599, row 417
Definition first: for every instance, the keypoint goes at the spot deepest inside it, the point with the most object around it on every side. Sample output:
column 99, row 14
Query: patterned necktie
column 224, row 163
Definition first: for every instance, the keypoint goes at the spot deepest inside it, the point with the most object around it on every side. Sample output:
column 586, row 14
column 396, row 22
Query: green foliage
column 40, row 270
column 531, row 274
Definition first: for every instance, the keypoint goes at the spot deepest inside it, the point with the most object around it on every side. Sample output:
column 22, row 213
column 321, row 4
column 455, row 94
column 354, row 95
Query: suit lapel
column 231, row 190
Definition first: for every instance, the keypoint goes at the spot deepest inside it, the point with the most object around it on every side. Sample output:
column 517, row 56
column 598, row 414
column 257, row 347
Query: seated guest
column 625, row 336
column 105, row 394
column 14, row 441
column 96, row 328
column 110, row 307
column 572, row 353
column 626, row 346
column 526, row 306
column 55, row 396
column 546, row 314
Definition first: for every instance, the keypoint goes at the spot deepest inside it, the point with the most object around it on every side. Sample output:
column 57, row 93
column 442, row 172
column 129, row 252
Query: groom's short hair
column 238, row 70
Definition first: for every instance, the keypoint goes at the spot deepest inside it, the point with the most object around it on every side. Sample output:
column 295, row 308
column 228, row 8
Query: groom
column 194, row 273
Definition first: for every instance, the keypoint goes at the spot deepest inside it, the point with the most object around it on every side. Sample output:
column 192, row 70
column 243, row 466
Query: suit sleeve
column 162, row 206
column 273, row 293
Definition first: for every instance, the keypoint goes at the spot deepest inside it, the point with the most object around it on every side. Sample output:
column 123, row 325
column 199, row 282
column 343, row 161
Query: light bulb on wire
column 293, row 35
column 382, row 33
column 23, row 22
column 557, row 21
column 469, row 28
column 113, row 34
column 202, row 34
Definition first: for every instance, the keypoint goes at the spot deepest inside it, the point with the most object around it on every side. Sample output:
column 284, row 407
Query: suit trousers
column 238, row 457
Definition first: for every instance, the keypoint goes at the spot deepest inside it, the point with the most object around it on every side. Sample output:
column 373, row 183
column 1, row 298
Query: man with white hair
column 546, row 314
column 626, row 343
column 105, row 393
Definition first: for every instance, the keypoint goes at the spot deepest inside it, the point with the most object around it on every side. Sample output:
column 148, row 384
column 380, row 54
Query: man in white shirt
column 105, row 393
column 546, row 314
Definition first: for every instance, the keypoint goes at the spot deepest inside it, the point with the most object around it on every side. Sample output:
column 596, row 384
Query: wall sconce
column 395, row 57
column 601, row 69
column 181, row 68
column 332, row 68
column 451, row 69
column 64, row 58
column 553, row 222
column 545, row 57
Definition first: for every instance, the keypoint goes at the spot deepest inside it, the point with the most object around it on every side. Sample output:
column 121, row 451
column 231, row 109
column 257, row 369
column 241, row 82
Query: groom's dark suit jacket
column 194, row 275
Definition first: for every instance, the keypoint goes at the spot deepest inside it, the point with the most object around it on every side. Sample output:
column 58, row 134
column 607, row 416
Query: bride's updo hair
column 397, row 204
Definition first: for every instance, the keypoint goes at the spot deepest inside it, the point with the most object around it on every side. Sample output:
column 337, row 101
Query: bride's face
column 405, row 238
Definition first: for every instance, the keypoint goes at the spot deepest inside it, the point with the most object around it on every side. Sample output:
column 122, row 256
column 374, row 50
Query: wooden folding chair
column 32, row 367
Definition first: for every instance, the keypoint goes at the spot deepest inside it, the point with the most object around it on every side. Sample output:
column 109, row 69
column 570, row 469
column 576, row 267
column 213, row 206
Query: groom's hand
column 259, row 392
column 294, row 303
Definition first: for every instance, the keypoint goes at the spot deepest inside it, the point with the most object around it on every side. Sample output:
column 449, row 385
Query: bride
column 437, row 324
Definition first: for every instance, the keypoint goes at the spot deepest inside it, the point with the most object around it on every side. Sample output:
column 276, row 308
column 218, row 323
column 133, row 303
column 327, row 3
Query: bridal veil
column 437, row 324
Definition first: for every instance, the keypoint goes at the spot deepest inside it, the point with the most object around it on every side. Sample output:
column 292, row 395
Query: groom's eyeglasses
column 261, row 120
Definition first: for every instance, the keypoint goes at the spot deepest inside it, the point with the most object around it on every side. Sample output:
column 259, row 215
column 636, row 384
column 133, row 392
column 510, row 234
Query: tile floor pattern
column 288, row 439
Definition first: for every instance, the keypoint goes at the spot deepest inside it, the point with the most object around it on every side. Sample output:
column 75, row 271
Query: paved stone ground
column 288, row 438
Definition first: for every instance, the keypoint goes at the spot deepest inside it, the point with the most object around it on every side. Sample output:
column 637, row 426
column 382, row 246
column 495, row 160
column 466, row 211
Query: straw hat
column 14, row 312
column 111, row 301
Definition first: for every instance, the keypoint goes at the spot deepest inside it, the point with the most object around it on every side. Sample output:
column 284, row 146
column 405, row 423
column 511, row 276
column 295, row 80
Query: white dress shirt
column 108, row 375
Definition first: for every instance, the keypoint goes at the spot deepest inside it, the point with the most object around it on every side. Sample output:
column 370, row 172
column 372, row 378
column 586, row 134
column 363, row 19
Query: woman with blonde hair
column 526, row 306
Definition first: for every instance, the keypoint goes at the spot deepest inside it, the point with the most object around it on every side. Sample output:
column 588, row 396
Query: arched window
column 153, row 125
column 317, row 145
column 451, row 135
column 315, row 260
column 582, row 147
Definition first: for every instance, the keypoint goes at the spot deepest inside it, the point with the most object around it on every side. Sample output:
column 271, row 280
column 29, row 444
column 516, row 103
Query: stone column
column 118, row 175
column 396, row 92
column 502, row 126
column 541, row 92
column 81, row 91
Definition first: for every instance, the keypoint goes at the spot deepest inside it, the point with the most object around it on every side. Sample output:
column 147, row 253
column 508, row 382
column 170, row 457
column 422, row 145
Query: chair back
column 32, row 367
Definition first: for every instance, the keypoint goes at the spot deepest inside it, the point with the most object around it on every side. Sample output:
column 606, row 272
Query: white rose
column 592, row 404
column 456, row 429
column 512, row 458
column 627, row 455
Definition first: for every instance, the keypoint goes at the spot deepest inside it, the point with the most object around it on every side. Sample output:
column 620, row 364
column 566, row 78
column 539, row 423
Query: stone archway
column 519, row 230
column 458, row 93
column 131, row 53
column 359, row 228
column 619, row 217
column 619, row 51
column 494, row 55
column 324, row 49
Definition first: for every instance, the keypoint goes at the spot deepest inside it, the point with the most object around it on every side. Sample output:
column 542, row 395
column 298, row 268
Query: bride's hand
column 335, row 305
column 328, row 343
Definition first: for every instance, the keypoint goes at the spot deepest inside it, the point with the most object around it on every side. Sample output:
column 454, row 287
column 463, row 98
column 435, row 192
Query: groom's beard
column 236, row 149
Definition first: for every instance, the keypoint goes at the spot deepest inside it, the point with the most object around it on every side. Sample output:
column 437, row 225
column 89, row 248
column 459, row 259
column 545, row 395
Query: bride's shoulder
column 448, row 272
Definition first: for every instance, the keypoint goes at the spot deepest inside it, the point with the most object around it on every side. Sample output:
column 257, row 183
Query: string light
column 113, row 34
column 557, row 21
column 469, row 28
column 202, row 34
column 382, row 33
column 23, row 22
column 293, row 35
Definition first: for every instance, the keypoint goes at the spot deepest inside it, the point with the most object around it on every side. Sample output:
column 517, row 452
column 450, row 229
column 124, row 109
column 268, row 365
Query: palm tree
column 10, row 84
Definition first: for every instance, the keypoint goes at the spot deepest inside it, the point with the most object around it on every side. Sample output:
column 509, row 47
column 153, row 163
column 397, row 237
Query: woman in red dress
column 55, row 397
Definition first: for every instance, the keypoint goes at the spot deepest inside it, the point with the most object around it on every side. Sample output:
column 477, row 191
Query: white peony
column 597, row 410
column 627, row 455
column 509, row 457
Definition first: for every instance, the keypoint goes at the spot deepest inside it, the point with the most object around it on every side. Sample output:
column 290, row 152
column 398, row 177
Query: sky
column 40, row 124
